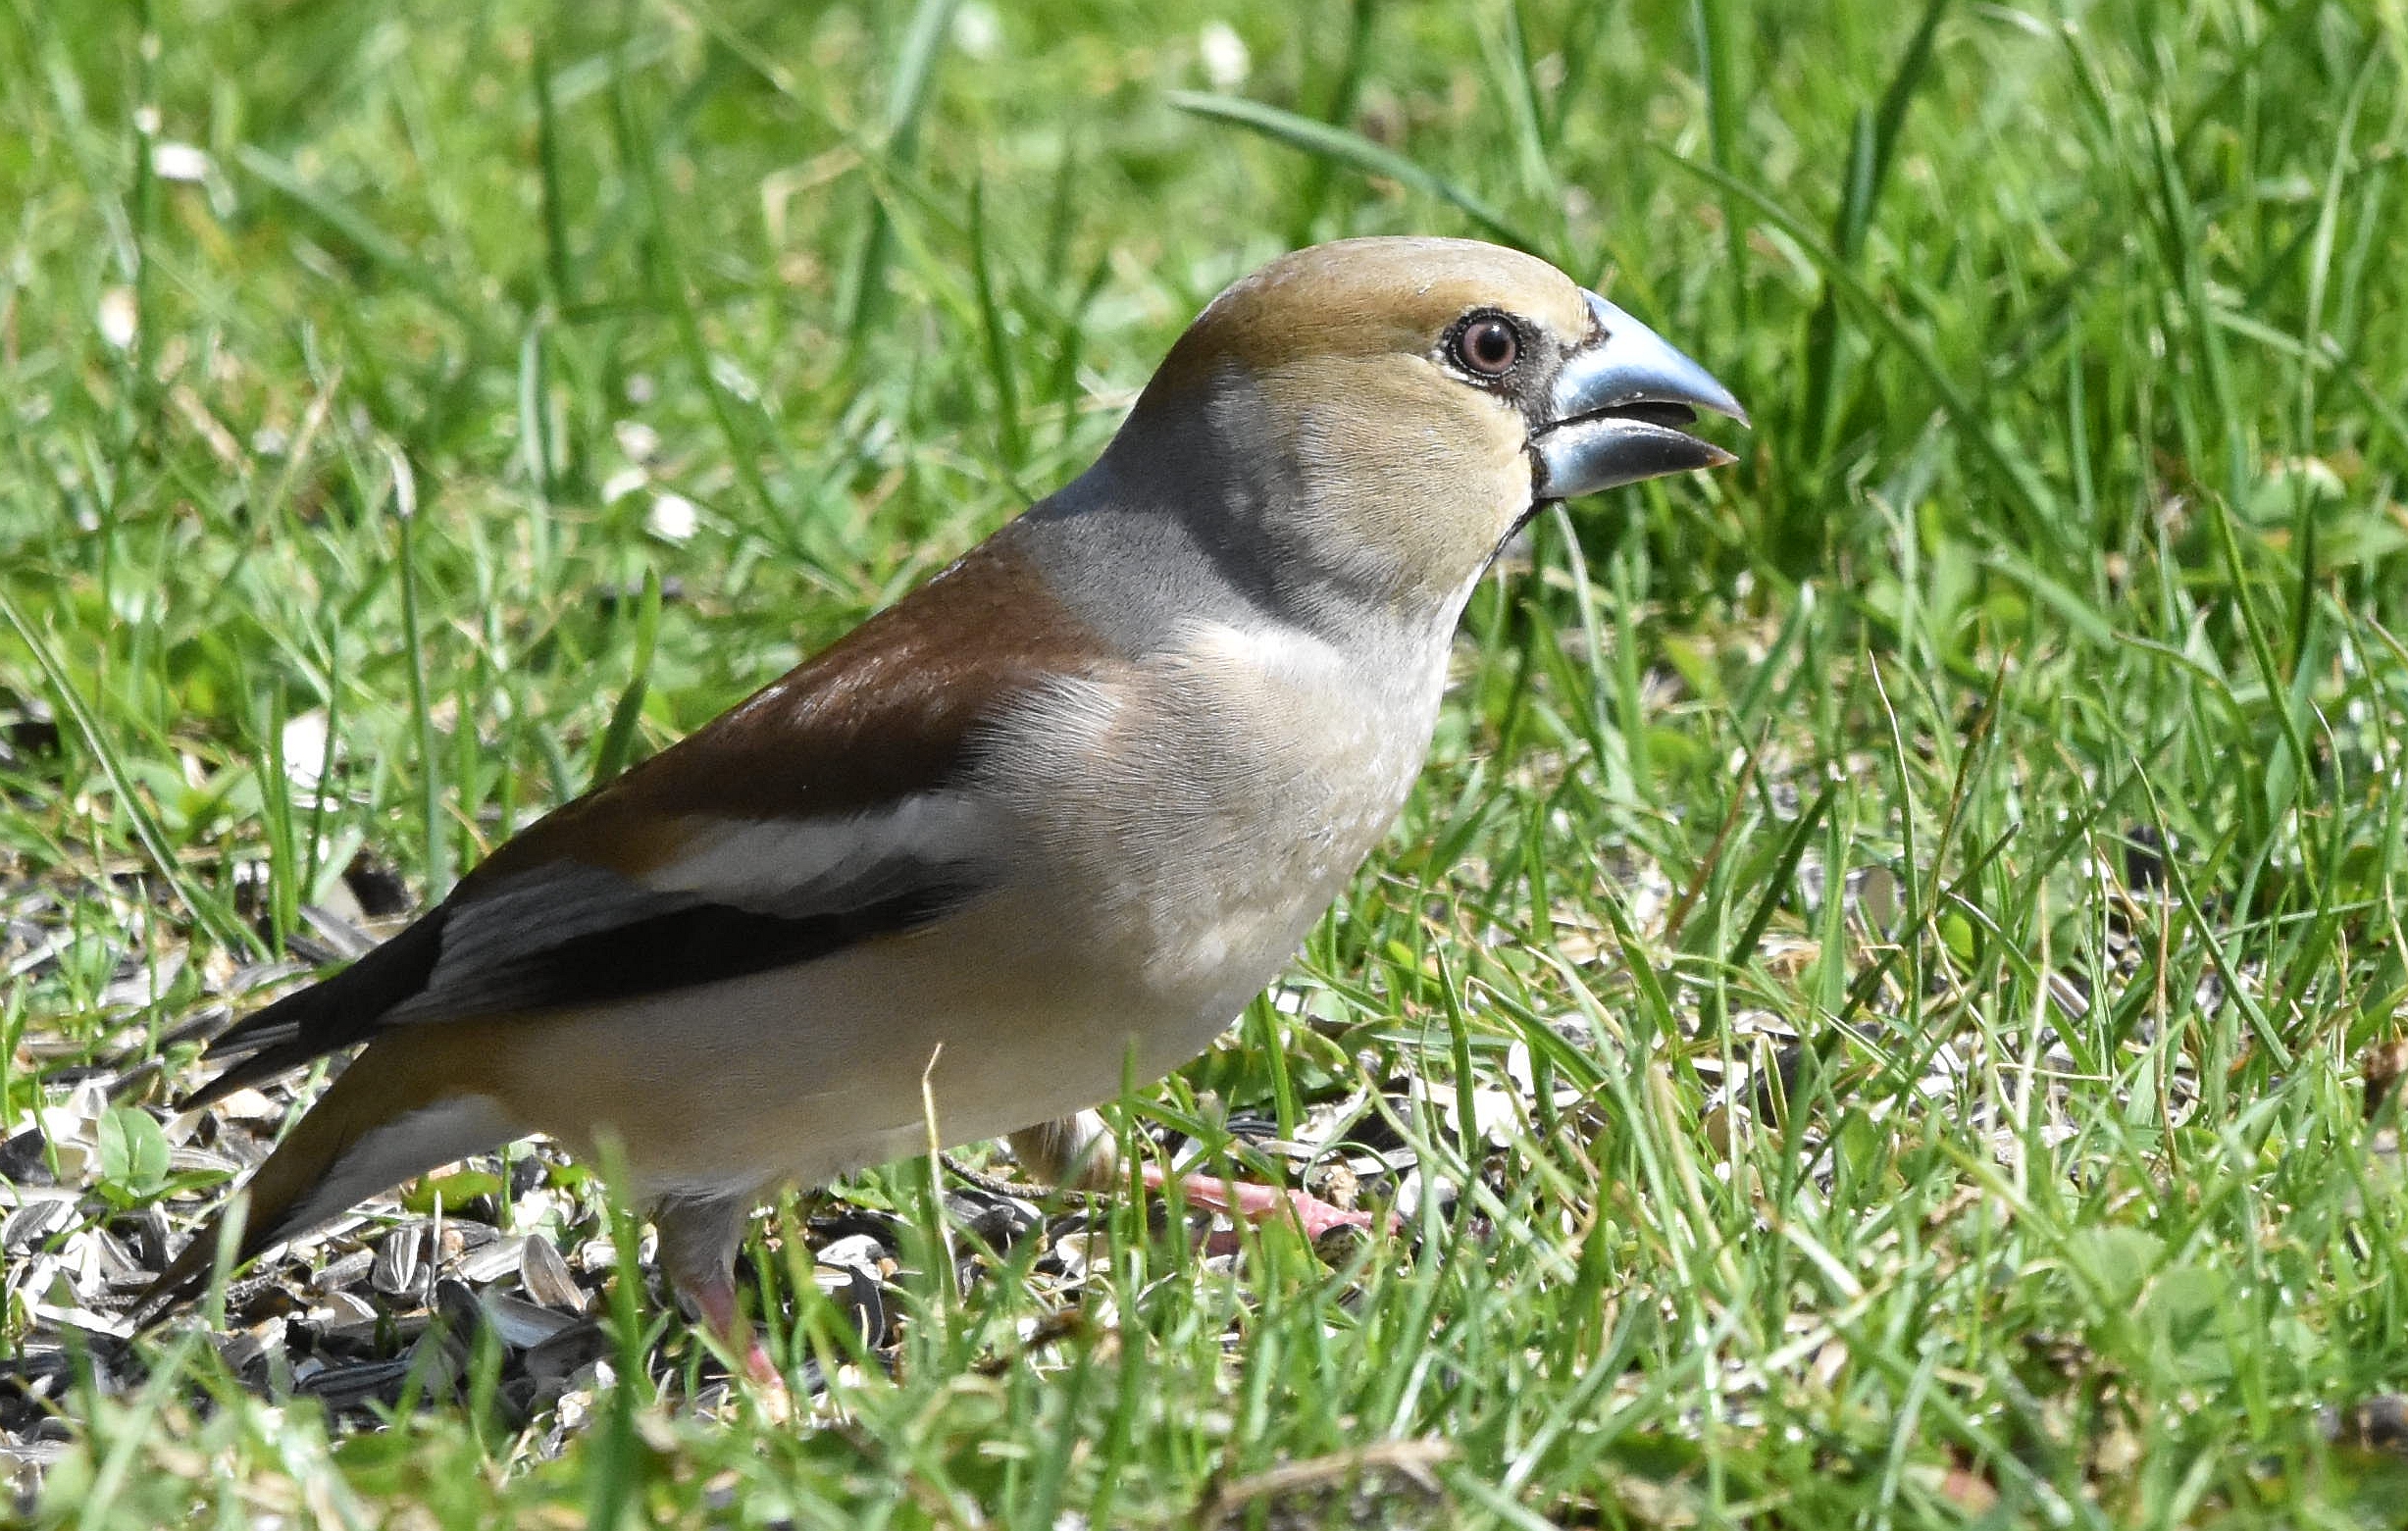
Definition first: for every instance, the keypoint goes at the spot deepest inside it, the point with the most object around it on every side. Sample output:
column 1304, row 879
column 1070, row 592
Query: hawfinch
column 1042, row 827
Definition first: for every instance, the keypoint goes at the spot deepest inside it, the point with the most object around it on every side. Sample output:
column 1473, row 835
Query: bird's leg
column 698, row 1240
column 1078, row 1151
column 1257, row 1203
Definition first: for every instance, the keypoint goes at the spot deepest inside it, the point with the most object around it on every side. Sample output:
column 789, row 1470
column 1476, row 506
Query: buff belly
column 1092, row 968
column 807, row 1073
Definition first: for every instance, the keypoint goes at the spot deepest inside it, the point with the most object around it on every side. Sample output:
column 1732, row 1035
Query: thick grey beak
column 1616, row 408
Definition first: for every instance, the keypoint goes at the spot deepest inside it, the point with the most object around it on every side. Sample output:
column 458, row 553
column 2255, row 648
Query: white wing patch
column 496, row 946
column 777, row 866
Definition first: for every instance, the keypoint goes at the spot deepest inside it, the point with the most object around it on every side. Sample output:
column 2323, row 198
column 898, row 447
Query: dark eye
column 1487, row 345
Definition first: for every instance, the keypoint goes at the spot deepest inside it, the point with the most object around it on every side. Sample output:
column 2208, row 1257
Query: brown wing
column 562, row 914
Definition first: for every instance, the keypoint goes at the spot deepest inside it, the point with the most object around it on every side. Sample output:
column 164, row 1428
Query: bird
column 1038, row 830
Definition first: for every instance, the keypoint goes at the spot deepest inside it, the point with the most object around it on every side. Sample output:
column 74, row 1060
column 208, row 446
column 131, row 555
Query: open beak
column 1617, row 407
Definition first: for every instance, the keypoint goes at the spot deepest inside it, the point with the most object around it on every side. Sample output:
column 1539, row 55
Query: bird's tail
column 395, row 1113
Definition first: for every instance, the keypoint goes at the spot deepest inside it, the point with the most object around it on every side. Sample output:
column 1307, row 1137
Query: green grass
column 2071, row 526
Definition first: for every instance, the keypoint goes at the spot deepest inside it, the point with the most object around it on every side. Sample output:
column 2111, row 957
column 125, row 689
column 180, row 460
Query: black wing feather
column 682, row 944
column 329, row 1015
column 535, row 948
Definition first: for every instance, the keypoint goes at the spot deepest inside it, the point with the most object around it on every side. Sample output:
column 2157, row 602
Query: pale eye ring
column 1487, row 345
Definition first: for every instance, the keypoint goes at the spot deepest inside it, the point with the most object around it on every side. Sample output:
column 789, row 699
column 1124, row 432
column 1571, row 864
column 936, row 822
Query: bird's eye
column 1487, row 345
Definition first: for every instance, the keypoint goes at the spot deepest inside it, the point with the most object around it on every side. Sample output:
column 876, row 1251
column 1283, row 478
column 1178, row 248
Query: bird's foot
column 1245, row 1198
column 723, row 1319
column 769, row 1391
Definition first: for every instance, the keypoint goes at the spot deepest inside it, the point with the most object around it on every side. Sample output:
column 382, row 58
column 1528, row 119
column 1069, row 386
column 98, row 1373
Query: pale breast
column 1201, row 817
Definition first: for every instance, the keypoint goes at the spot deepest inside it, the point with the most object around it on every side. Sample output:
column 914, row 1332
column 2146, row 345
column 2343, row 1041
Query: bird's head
column 1375, row 417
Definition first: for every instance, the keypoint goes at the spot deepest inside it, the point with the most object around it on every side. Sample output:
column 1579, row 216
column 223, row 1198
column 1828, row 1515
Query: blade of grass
column 1337, row 109
column 2014, row 476
column 1350, row 149
column 1715, row 26
column 1873, row 145
column 915, row 66
column 619, row 737
column 207, row 913
column 1002, row 372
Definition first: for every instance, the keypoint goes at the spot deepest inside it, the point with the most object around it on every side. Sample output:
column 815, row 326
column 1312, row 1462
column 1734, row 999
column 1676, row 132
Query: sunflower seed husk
column 545, row 1276
column 347, row 1270
column 523, row 1325
column 35, row 1222
column 493, row 1263
column 401, row 1266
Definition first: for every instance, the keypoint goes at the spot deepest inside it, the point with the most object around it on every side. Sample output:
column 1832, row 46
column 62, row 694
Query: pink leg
column 714, row 1303
column 1257, row 1202
column 697, row 1253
